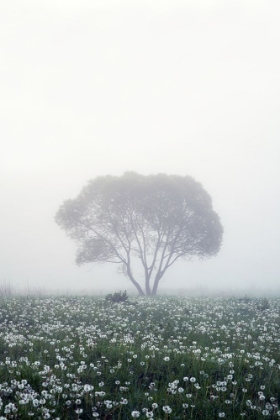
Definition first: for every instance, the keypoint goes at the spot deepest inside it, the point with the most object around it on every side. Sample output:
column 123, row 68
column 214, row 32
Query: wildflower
column 167, row 409
column 166, row 359
column 88, row 388
column 124, row 401
column 135, row 414
column 22, row 402
column 100, row 394
column 79, row 410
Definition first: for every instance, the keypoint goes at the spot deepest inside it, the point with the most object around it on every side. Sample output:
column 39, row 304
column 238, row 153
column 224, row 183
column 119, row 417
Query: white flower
column 124, row 401
column 79, row 410
column 135, row 414
column 167, row 409
column 88, row 388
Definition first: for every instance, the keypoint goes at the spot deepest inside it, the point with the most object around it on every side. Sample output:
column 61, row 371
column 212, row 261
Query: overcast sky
column 95, row 87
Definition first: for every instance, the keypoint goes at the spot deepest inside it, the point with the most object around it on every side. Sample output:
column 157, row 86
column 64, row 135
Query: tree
column 157, row 219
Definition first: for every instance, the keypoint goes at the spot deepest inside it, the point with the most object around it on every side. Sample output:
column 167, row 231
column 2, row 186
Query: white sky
column 95, row 87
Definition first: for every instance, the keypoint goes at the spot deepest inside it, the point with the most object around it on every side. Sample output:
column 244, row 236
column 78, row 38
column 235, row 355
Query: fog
column 96, row 87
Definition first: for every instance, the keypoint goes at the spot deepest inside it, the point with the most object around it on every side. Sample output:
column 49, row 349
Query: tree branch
column 118, row 255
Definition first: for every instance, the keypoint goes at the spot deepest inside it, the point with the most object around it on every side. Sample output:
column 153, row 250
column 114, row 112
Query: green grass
column 198, row 358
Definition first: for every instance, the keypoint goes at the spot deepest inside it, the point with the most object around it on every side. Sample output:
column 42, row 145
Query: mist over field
column 91, row 88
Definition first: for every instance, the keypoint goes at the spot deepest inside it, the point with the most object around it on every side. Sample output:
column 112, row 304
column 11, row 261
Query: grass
column 162, row 358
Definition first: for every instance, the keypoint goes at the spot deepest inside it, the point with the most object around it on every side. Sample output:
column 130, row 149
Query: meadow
column 163, row 358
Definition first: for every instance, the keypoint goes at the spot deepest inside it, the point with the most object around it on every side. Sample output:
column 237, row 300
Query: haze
column 97, row 87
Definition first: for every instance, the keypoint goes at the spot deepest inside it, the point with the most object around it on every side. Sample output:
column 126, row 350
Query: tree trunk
column 147, row 283
column 133, row 281
column 137, row 285
column 156, row 282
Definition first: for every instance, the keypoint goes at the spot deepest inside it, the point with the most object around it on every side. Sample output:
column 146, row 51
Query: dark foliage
column 118, row 297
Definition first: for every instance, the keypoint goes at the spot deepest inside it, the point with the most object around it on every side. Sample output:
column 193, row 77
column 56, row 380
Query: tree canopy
column 156, row 219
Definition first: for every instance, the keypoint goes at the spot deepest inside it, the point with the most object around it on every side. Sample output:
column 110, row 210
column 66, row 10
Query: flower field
column 161, row 358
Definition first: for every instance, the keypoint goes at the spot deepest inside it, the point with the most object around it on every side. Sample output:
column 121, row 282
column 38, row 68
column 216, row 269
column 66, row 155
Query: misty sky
column 95, row 87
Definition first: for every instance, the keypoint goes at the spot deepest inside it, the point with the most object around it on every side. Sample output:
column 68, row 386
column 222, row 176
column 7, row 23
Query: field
column 161, row 358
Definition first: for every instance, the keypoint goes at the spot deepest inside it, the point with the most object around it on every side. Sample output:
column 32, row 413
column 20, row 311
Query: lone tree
column 157, row 219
